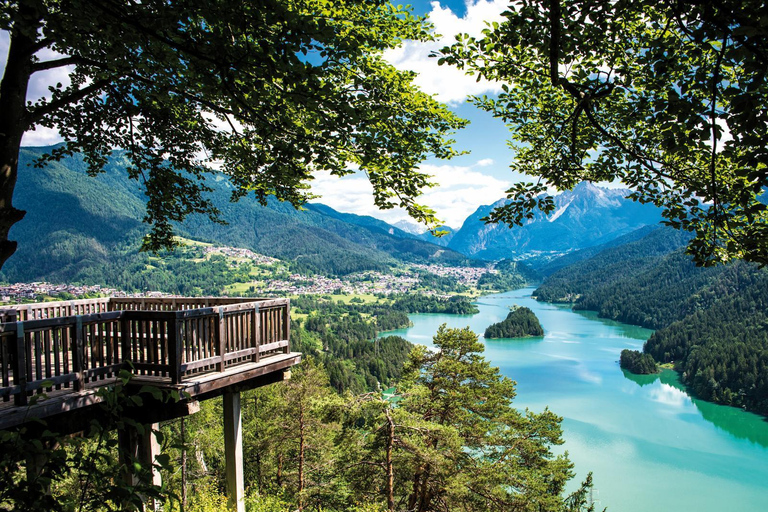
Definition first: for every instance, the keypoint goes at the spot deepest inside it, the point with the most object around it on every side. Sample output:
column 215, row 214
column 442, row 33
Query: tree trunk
column 390, row 469
column 13, row 118
column 183, row 467
column 413, row 498
column 301, row 457
column 425, row 496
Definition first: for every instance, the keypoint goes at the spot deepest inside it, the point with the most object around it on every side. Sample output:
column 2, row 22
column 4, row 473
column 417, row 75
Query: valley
column 353, row 279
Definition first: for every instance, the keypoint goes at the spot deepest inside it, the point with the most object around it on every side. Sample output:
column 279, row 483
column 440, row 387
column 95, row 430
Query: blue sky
column 465, row 182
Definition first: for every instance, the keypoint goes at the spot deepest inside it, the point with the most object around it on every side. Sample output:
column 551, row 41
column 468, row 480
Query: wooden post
column 175, row 343
column 233, row 451
column 183, row 465
column 222, row 341
column 77, row 355
column 287, row 331
column 256, row 333
column 20, row 368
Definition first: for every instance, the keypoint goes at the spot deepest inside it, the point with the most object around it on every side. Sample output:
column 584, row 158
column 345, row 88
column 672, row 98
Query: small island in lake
column 637, row 362
column 520, row 323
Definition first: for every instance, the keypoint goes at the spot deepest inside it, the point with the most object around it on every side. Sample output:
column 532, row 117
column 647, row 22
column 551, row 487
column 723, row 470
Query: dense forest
column 414, row 303
column 520, row 323
column 712, row 322
column 453, row 441
column 340, row 335
column 637, row 362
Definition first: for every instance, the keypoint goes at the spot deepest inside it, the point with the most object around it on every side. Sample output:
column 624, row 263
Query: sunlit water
column 650, row 446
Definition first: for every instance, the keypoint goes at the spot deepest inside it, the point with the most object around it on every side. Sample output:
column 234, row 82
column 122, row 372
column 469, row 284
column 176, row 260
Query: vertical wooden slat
column 93, row 338
column 256, row 336
column 47, row 353
column 287, row 326
column 165, row 347
column 20, row 368
column 201, row 349
column 5, row 360
column 175, row 341
column 125, row 339
column 38, row 355
column 77, row 354
column 220, row 341
column 56, row 342
column 141, row 344
column 66, row 343
column 109, row 344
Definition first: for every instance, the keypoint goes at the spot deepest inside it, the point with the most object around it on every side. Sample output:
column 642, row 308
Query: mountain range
column 586, row 216
column 75, row 221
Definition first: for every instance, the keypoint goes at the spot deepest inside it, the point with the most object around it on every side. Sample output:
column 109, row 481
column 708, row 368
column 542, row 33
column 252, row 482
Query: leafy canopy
column 270, row 92
column 666, row 97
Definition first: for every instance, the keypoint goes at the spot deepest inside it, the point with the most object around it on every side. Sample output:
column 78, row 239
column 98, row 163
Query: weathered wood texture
column 60, row 345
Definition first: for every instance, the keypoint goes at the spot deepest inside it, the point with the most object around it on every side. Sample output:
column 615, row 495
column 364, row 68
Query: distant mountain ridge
column 586, row 216
column 75, row 222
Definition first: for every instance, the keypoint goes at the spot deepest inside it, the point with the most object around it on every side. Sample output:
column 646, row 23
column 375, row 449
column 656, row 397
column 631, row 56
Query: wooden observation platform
column 201, row 347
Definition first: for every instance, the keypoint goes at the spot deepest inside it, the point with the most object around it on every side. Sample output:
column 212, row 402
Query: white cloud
column 451, row 85
column 458, row 193
column 669, row 395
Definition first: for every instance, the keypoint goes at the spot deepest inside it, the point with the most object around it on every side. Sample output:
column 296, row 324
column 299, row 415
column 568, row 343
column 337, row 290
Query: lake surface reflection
column 650, row 446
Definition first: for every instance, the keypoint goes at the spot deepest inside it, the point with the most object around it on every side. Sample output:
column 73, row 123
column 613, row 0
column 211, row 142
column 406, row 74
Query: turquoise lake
column 649, row 445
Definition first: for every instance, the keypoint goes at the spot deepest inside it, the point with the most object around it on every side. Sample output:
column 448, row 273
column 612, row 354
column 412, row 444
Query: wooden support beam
column 140, row 446
column 233, row 451
column 20, row 365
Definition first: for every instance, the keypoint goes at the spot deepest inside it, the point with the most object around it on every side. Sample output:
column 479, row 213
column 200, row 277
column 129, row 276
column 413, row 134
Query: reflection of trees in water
column 736, row 422
column 641, row 380
column 634, row 332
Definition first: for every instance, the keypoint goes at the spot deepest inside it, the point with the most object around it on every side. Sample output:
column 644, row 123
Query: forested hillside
column 610, row 266
column 712, row 323
column 78, row 227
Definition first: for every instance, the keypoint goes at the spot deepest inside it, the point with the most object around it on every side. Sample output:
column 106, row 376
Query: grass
column 367, row 298
column 236, row 288
column 189, row 241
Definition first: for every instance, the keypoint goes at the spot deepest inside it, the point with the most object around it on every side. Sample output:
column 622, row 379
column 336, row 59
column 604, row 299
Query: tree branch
column 554, row 40
column 57, row 63
column 37, row 114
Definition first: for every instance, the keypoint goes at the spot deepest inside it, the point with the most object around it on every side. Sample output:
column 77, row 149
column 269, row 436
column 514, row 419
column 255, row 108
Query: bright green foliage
column 519, row 323
column 665, row 97
column 453, row 440
column 290, row 436
column 473, row 450
column 270, row 91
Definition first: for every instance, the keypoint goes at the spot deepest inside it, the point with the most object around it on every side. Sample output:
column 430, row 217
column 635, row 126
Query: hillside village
column 279, row 283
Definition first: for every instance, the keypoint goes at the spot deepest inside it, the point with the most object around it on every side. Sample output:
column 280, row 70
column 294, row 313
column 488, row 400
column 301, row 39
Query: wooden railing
column 60, row 345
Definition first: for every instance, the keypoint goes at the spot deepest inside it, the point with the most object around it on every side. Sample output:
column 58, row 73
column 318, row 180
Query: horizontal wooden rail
column 70, row 344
